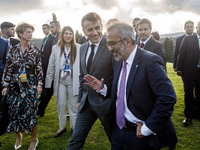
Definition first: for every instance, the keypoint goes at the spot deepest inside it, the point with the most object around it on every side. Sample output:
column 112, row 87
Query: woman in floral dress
column 22, row 82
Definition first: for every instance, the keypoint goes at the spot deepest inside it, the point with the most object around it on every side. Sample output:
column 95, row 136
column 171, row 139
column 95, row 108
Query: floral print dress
column 22, row 96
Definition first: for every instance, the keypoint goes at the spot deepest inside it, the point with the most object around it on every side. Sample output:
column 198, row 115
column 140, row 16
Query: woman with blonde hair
column 22, row 82
column 63, row 68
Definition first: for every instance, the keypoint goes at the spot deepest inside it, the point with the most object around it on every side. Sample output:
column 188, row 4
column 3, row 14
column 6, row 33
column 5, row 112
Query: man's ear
column 128, row 42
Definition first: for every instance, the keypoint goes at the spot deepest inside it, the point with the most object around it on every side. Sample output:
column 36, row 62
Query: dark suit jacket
column 46, row 54
column 150, row 95
column 189, row 55
column 156, row 47
column 56, row 39
column 14, row 41
column 82, row 40
column 177, row 48
column 3, row 51
column 102, row 67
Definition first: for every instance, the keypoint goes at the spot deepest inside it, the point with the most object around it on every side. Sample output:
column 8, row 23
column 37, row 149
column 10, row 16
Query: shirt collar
column 131, row 57
column 145, row 40
column 7, row 40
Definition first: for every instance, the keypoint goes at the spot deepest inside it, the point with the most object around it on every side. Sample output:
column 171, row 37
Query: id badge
column 23, row 76
column 67, row 68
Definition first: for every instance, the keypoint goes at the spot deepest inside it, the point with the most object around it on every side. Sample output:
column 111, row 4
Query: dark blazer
column 55, row 41
column 46, row 53
column 177, row 48
column 156, row 47
column 82, row 40
column 189, row 55
column 102, row 67
column 14, row 41
column 3, row 51
column 150, row 95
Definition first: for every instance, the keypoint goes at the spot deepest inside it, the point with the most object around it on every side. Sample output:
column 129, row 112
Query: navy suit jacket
column 189, row 55
column 156, row 47
column 150, row 95
column 3, row 51
column 177, row 48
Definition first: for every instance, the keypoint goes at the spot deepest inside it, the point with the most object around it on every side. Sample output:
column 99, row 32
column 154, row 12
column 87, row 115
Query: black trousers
column 192, row 94
column 44, row 99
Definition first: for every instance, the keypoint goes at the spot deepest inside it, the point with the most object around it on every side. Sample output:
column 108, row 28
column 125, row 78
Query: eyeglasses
column 113, row 43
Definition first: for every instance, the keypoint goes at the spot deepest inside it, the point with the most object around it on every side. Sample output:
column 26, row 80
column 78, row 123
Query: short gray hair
column 124, row 30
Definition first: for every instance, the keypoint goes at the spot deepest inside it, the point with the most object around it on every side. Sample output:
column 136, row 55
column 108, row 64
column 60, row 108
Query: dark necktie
column 120, row 101
column 89, row 62
column 141, row 45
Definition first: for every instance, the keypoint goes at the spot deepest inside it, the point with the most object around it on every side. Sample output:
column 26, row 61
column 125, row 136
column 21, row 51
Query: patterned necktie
column 89, row 62
column 120, row 102
column 141, row 45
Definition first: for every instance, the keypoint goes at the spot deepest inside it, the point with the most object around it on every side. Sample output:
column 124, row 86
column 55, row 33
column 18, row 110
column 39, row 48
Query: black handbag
column 4, row 117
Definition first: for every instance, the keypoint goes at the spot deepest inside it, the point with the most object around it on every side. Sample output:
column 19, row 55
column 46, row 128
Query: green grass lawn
column 189, row 137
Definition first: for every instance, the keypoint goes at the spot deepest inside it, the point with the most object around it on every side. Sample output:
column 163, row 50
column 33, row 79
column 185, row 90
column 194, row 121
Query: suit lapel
column 117, row 69
column 133, row 71
column 84, row 53
column 148, row 44
column 98, row 54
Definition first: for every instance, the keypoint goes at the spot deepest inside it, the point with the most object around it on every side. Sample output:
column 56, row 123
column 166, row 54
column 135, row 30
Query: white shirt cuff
column 103, row 91
column 146, row 131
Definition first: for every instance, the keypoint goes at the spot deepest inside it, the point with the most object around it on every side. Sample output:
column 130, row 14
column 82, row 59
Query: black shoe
column 187, row 121
column 40, row 114
column 59, row 133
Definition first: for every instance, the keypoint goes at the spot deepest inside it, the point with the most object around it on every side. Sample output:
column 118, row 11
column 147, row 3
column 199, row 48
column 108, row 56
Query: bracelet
column 39, row 85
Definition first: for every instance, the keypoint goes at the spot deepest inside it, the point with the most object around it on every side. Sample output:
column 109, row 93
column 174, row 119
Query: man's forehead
column 88, row 24
column 112, row 34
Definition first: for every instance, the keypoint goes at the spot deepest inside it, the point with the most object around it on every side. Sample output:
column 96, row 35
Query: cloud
column 19, row 6
column 103, row 4
column 168, row 6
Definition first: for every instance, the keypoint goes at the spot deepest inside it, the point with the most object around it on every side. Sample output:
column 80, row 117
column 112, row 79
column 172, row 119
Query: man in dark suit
column 189, row 29
column 8, row 31
column 188, row 66
column 95, row 60
column 3, row 51
column 55, row 30
column 46, row 49
column 147, row 42
column 142, row 95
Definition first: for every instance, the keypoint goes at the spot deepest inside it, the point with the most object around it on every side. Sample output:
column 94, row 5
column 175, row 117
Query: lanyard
column 66, row 56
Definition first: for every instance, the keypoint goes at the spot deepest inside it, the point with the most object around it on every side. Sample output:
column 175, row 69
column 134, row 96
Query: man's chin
column 95, row 40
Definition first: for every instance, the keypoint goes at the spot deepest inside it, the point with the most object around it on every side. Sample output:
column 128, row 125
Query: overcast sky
column 167, row 16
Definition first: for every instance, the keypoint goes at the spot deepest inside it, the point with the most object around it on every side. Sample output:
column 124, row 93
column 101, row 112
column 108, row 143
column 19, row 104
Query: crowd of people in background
column 120, row 78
